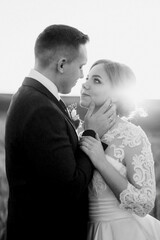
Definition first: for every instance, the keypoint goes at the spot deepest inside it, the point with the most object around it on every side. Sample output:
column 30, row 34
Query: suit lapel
column 39, row 87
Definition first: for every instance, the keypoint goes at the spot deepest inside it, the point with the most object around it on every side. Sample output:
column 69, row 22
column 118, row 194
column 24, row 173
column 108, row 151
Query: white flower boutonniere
column 72, row 110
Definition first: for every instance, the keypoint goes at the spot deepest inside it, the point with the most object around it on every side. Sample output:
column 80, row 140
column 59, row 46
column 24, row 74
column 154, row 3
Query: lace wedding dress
column 127, row 219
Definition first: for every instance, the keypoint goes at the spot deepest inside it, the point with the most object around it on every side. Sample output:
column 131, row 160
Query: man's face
column 73, row 71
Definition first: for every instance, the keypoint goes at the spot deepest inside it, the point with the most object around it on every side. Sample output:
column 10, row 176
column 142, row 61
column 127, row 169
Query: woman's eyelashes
column 96, row 80
column 93, row 80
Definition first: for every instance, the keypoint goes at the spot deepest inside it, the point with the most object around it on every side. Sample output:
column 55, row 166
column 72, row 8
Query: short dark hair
column 58, row 37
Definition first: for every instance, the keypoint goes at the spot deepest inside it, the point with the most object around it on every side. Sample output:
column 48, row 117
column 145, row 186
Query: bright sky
column 122, row 30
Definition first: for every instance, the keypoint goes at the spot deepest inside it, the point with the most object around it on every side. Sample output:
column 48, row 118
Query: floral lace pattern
column 97, row 186
column 130, row 139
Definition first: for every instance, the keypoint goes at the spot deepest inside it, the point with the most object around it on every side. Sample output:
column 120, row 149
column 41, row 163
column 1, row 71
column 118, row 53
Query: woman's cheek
column 100, row 101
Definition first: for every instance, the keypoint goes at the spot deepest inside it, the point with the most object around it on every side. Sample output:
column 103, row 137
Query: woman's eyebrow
column 96, row 76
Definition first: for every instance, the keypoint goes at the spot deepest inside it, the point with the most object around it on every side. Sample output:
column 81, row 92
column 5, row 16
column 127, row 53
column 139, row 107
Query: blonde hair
column 122, row 79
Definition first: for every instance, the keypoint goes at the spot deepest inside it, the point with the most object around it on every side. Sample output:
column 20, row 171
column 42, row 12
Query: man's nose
column 81, row 74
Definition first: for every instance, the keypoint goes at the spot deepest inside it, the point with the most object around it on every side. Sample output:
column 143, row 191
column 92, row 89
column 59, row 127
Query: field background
column 150, row 124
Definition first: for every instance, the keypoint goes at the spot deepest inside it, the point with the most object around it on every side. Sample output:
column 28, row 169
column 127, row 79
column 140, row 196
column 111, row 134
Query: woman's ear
column 60, row 65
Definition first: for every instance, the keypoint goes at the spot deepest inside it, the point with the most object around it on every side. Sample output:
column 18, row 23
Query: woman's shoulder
column 131, row 128
column 125, row 129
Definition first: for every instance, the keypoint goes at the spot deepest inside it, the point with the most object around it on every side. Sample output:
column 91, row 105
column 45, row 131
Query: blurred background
column 127, row 31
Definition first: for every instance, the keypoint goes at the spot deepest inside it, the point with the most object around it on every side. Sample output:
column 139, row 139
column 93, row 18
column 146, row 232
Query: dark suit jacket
column 47, row 172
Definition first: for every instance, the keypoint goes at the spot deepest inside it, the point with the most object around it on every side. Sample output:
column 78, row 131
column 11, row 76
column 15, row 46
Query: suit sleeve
column 48, row 144
column 92, row 133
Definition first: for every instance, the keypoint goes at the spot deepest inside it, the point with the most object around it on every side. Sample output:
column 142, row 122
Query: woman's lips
column 84, row 94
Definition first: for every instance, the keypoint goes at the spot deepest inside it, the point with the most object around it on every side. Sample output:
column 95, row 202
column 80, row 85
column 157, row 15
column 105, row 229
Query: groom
column 47, row 172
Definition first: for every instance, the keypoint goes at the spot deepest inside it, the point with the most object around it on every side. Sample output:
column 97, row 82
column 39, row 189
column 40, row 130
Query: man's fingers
column 104, row 107
column 111, row 113
column 90, row 109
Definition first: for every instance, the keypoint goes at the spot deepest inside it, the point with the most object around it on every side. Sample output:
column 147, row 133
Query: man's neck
column 44, row 80
column 45, row 73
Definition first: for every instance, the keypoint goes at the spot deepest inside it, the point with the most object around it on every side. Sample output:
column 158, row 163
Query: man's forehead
column 83, row 53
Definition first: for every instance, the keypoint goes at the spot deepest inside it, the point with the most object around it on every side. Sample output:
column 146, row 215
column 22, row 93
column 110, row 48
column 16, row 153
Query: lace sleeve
column 140, row 194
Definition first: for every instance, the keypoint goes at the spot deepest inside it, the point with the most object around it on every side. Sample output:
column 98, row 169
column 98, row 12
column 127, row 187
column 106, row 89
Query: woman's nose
column 85, row 85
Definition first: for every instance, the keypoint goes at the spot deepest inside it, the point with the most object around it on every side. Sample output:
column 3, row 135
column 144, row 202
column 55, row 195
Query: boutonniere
column 72, row 110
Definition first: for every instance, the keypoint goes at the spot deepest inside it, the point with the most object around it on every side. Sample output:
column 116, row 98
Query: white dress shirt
column 45, row 82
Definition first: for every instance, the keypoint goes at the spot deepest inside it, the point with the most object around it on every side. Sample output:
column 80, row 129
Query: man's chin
column 65, row 91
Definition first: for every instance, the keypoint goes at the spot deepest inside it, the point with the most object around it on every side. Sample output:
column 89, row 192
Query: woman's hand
column 93, row 148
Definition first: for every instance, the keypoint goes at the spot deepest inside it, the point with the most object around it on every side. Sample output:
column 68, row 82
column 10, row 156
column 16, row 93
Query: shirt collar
column 45, row 82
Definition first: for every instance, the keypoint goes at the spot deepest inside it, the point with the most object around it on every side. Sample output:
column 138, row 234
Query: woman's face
column 97, row 87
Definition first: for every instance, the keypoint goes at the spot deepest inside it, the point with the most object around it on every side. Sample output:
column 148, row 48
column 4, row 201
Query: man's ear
column 60, row 65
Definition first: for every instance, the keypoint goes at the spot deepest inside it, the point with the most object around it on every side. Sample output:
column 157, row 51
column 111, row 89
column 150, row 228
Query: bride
column 123, row 190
